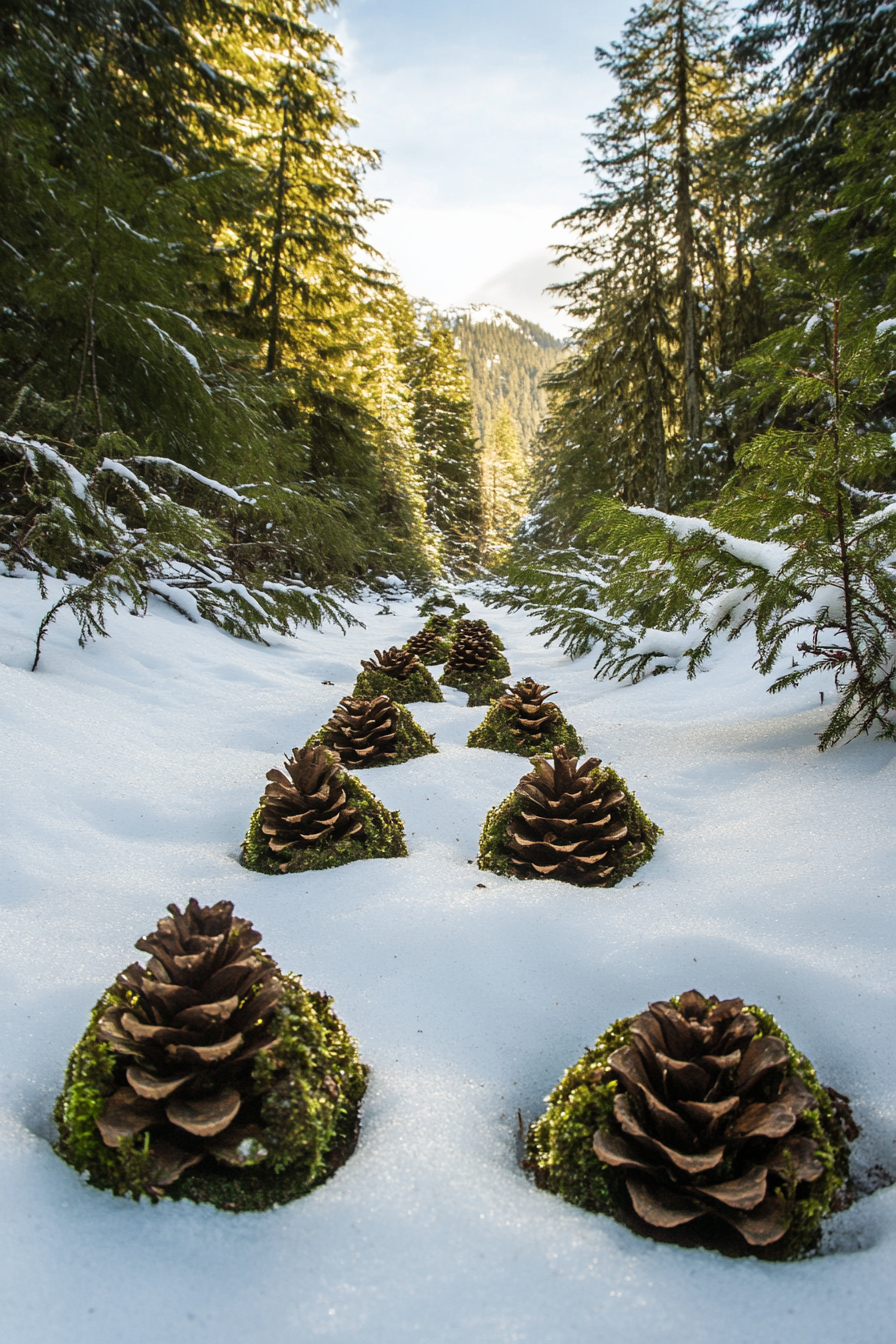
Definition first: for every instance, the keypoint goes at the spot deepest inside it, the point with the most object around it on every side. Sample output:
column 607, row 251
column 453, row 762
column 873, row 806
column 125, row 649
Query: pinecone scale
column 191, row 1025
column 362, row 732
column 708, row 1120
column 574, row 826
column 309, row 807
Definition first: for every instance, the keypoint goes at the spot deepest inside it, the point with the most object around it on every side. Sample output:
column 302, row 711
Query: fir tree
column 449, row 451
column 664, row 274
column 504, row 485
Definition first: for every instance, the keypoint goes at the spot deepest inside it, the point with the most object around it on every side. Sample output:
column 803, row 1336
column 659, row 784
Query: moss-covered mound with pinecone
column 365, row 734
column 698, row 1122
column 429, row 646
column 475, row 665
column 523, row 721
column 479, row 627
column 570, row 822
column 399, row 674
column 209, row 1074
column 316, row 816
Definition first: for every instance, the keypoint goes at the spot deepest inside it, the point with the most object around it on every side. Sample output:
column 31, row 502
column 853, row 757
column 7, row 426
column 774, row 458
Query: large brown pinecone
column 571, row 825
column 427, row 645
column 470, row 652
column 309, row 807
column 362, row 732
column 394, row 662
column 708, row 1120
column 532, row 712
column 194, row 1020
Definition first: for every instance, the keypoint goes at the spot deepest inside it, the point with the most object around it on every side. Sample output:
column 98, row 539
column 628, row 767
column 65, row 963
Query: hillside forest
column 212, row 388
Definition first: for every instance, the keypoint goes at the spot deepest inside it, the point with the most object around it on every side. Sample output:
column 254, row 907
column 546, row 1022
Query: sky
column 479, row 108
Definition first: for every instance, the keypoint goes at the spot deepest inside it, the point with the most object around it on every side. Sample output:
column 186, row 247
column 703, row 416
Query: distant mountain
column 508, row 358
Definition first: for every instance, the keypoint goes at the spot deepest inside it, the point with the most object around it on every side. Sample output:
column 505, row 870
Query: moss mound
column 495, row 853
column 309, row 1117
column 560, row 1153
column 420, row 686
column 485, row 686
column 495, row 734
column 381, row 838
column 411, row 740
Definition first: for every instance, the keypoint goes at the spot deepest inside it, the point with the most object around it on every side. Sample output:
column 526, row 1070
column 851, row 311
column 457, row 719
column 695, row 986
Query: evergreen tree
column 449, row 452
column 664, row 276
column 504, row 485
column 839, row 59
column 509, row 357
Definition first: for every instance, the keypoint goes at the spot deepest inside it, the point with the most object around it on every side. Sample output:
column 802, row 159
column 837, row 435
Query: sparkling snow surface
column 131, row 769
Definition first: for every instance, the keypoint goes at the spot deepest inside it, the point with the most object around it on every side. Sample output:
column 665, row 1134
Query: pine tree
column 663, row 273
column 449, row 451
column 504, row 484
column 839, row 59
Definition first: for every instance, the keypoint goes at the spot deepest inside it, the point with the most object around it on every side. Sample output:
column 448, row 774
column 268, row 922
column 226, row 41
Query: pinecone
column 570, row 829
column 707, row 1120
column 470, row 653
column 310, row 807
column 532, row 712
column 427, row 645
column 193, row 1021
column 439, row 624
column 479, row 627
column 394, row 662
column 362, row 732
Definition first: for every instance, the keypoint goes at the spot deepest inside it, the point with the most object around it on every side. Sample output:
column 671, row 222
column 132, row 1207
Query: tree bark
column 684, row 223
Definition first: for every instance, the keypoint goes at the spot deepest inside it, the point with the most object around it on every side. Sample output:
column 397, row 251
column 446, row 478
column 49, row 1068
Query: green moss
column 432, row 605
column 308, row 1093
column 420, row 686
column 559, row 1150
column 411, row 740
column 495, row 852
column 495, row 734
column 484, row 686
column 440, row 652
column 381, row 838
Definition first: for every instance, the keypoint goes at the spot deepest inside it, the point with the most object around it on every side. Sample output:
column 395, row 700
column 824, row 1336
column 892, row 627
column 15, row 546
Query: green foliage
column 382, row 837
column 797, row 542
column 562, row 588
column 314, row 1083
column 449, row 453
column 504, row 485
column 560, row 1152
column 184, row 263
column 227, row 557
column 410, row 742
column 509, row 358
column 495, row 852
column 489, row 675
column 494, row 734
column 420, row 686
column 666, row 295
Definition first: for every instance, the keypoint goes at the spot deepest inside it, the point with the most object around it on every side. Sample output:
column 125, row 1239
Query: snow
column 768, row 555
column 130, row 772
column 884, row 328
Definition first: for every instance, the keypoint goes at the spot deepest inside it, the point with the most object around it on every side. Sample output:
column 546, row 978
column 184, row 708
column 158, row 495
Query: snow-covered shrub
column 117, row 534
column 798, row 542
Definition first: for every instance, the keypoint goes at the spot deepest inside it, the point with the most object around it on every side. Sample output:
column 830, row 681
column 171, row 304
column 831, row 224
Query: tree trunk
column 684, row 223
column 273, row 357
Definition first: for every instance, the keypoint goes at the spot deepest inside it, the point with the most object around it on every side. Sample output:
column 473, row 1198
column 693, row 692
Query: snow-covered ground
column 130, row 771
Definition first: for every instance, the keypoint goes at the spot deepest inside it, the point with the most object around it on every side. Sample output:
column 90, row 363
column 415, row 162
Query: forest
column 214, row 390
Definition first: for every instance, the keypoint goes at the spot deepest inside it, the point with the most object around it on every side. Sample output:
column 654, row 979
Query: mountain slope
column 509, row 357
